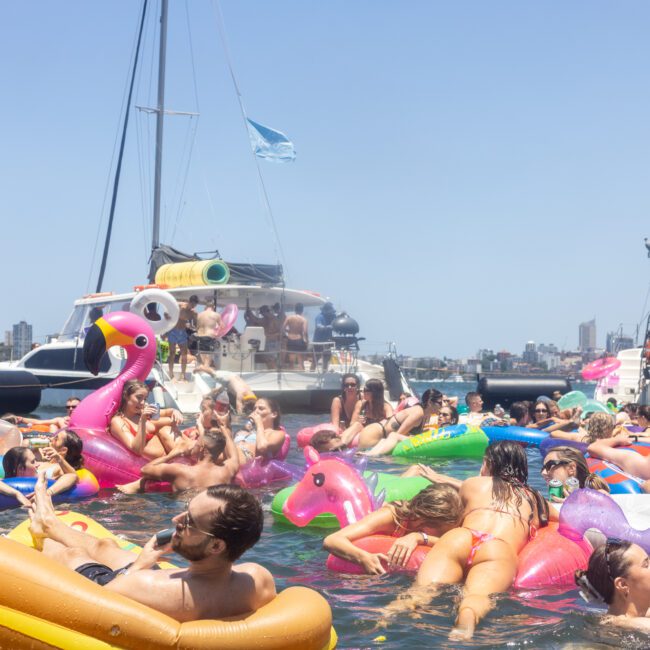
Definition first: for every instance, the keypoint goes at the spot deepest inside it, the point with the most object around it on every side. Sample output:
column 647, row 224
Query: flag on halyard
column 270, row 144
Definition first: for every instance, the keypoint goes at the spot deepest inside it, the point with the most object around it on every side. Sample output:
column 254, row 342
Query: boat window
column 63, row 359
column 74, row 325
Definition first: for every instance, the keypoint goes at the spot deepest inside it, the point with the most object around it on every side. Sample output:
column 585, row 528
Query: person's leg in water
column 493, row 572
column 66, row 545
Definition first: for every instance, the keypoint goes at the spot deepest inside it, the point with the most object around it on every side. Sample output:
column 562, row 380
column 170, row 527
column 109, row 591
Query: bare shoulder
column 262, row 588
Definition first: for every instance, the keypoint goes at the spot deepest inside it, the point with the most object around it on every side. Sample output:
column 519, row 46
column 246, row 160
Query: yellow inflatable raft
column 45, row 605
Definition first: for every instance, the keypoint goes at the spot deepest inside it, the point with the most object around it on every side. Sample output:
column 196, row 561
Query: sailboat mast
column 160, row 113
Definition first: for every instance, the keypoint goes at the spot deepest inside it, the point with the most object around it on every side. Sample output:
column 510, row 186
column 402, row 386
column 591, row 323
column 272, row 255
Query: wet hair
column 74, row 446
column 130, row 387
column 299, row 308
column 238, row 522
column 606, row 563
column 275, row 408
column 454, row 414
column 470, row 396
column 436, row 505
column 194, row 299
column 518, row 410
column 599, row 427
column 15, row 459
column 632, row 409
column 643, row 411
column 215, row 442
column 432, row 397
column 376, row 389
column 321, row 439
column 586, row 478
column 346, row 376
column 507, row 464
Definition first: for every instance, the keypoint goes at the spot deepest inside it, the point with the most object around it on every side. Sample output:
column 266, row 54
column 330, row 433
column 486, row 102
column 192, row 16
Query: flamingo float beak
column 100, row 337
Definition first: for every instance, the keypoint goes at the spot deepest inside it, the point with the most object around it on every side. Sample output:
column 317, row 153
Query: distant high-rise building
column 617, row 341
column 530, row 352
column 587, row 336
column 8, row 338
column 22, row 339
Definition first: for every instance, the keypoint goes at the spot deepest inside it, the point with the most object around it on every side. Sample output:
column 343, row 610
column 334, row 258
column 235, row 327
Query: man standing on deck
column 178, row 336
column 297, row 336
column 216, row 528
column 208, row 345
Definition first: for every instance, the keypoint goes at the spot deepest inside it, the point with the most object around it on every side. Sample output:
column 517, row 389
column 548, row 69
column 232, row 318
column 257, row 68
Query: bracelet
column 425, row 539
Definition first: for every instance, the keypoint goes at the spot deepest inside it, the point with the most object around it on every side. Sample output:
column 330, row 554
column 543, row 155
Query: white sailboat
column 59, row 366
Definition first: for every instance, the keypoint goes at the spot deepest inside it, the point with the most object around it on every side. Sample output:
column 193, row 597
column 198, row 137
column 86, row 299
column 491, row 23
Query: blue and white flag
column 270, row 144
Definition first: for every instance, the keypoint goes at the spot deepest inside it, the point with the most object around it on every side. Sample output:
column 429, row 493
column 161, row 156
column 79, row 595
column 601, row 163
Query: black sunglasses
column 541, row 410
column 552, row 464
column 350, row 385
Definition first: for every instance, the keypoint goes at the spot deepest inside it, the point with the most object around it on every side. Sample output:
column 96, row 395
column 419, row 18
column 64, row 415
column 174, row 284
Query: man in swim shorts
column 297, row 337
column 217, row 526
column 178, row 335
column 207, row 342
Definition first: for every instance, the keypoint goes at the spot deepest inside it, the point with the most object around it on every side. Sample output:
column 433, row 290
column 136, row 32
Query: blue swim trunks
column 177, row 336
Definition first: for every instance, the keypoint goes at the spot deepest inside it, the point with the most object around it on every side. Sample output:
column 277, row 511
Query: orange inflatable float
column 45, row 605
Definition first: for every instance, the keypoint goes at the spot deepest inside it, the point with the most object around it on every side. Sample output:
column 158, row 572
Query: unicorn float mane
column 332, row 483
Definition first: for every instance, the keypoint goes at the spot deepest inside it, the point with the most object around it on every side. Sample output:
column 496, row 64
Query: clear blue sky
column 468, row 174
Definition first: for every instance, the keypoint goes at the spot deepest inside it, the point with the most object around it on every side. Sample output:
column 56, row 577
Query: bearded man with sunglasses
column 216, row 528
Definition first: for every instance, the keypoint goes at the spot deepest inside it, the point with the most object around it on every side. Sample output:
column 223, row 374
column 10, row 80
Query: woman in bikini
column 413, row 420
column 134, row 427
column 265, row 437
column 501, row 514
column 420, row 521
column 371, row 410
column 343, row 405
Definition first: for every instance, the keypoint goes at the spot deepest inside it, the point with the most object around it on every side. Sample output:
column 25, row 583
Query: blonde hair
column 436, row 505
column 599, row 427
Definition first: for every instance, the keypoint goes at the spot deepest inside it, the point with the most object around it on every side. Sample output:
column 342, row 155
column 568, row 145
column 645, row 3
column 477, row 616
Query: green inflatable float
column 459, row 440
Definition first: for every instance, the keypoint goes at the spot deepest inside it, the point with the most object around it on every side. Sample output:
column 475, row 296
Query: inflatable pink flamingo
column 331, row 484
column 111, row 463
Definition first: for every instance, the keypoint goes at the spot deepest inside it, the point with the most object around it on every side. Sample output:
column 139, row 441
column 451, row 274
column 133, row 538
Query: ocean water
column 549, row 619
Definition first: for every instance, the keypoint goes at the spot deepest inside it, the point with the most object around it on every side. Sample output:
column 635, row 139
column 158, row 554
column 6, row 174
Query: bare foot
column 131, row 488
column 42, row 512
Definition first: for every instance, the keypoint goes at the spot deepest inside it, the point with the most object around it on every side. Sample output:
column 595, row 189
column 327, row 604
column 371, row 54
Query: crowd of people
column 475, row 528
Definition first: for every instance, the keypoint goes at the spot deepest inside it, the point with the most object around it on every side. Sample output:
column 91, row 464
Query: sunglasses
column 71, row 407
column 350, row 385
column 552, row 464
column 188, row 522
column 541, row 410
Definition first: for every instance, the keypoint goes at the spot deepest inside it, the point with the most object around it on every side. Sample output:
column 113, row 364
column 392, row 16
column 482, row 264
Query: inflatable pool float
column 304, row 436
column 586, row 509
column 619, row 482
column 550, row 559
column 572, row 400
column 228, row 319
column 264, row 471
column 86, row 487
column 395, row 488
column 529, row 437
column 45, row 605
column 600, row 368
column 550, row 443
column 459, row 440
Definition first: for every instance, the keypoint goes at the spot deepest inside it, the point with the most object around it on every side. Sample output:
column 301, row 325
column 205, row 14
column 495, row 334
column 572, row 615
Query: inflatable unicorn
column 332, row 484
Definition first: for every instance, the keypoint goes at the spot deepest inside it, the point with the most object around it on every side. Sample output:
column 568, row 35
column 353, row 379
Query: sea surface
column 295, row 557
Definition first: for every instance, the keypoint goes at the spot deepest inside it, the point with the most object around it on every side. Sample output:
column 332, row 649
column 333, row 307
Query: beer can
column 39, row 441
column 555, row 488
column 571, row 484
